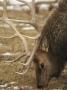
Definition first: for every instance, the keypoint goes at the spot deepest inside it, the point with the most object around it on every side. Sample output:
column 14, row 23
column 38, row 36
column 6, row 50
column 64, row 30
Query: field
column 8, row 71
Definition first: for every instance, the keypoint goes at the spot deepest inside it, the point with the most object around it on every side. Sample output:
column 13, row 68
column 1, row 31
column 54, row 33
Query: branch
column 36, row 26
column 11, row 24
column 33, row 11
column 34, row 38
column 20, row 56
column 31, row 57
column 13, row 36
column 26, row 3
column 4, row 8
column 18, row 34
column 24, row 72
column 31, row 5
column 46, row 2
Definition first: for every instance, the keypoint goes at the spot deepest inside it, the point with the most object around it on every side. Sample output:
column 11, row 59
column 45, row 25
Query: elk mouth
column 40, row 86
column 42, row 82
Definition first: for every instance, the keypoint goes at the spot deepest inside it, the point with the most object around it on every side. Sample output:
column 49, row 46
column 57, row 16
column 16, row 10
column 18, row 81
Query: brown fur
column 55, row 31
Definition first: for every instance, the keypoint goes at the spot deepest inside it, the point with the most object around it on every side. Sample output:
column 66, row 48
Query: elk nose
column 40, row 86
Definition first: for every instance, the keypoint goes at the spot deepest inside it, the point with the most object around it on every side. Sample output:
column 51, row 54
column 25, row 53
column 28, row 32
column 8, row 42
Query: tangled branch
column 33, row 22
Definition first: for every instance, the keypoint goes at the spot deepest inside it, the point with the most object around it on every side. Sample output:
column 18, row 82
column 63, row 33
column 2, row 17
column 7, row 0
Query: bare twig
column 17, row 33
column 24, row 72
column 4, row 8
column 26, row 3
column 18, row 58
column 13, row 36
column 46, row 2
column 34, row 38
column 23, row 21
column 32, row 56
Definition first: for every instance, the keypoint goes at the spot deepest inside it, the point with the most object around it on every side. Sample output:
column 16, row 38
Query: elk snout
column 41, row 63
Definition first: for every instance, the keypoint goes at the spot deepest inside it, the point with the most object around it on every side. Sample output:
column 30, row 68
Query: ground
column 8, row 71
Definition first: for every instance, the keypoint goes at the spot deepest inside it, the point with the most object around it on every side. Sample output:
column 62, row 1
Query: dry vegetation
column 7, row 71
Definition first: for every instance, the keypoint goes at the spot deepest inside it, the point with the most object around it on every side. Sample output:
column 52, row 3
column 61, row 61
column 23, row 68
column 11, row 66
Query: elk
column 50, row 64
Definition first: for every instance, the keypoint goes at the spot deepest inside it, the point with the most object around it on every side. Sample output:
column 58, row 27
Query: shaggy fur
column 55, row 31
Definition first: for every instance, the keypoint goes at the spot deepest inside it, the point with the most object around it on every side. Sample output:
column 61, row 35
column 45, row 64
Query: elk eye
column 41, row 65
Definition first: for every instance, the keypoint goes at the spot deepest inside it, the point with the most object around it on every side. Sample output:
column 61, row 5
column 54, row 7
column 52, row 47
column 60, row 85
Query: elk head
column 46, row 68
column 42, row 65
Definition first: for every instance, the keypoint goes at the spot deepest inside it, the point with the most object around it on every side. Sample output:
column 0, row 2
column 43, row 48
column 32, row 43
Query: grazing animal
column 50, row 64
